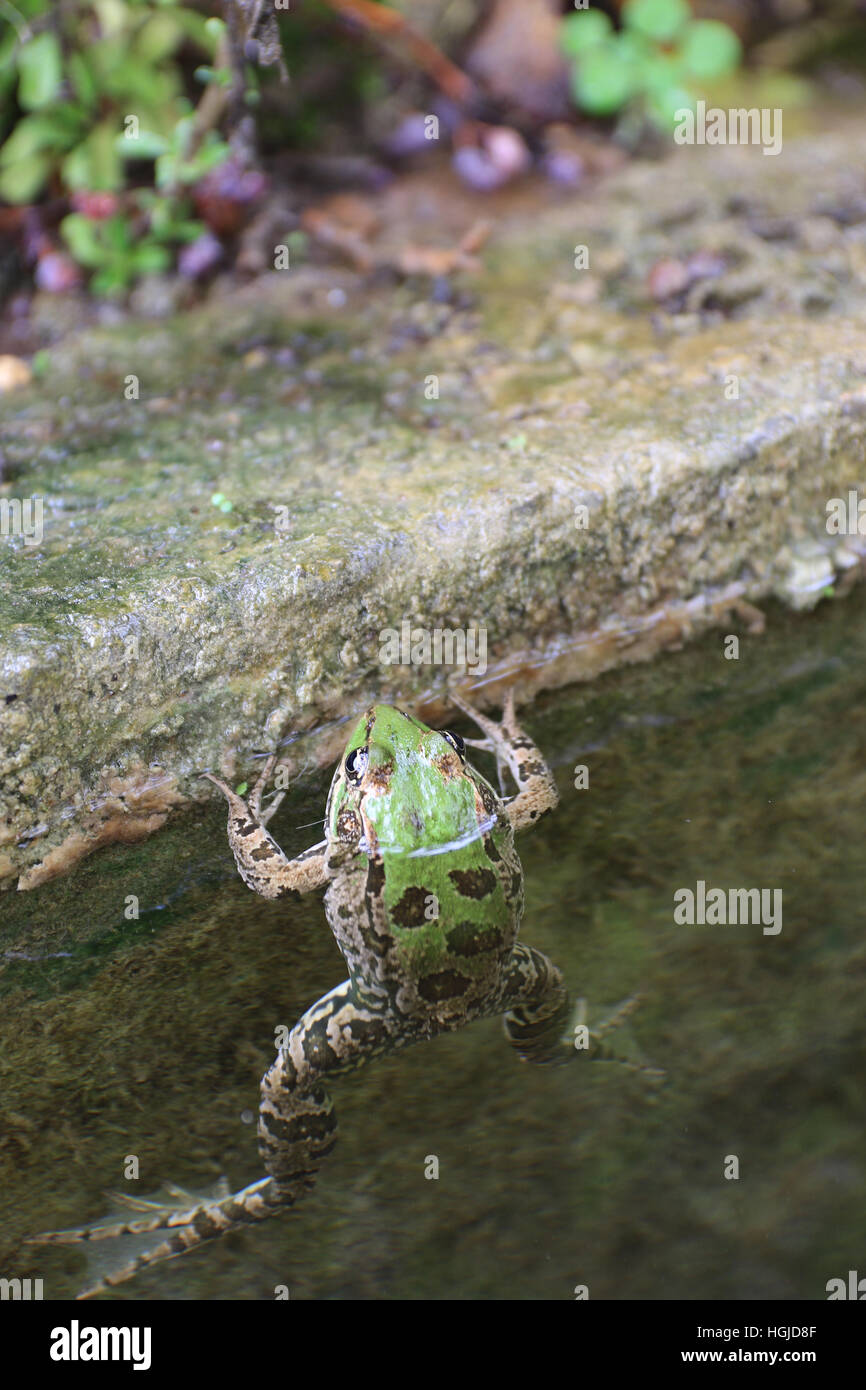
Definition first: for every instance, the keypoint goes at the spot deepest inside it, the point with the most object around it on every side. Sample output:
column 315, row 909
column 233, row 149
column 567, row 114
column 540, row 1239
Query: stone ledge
column 151, row 635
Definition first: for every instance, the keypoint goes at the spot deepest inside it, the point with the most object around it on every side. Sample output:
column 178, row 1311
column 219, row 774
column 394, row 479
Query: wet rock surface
column 590, row 456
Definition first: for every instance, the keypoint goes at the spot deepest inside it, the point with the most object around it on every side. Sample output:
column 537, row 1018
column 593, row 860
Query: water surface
column 148, row 1037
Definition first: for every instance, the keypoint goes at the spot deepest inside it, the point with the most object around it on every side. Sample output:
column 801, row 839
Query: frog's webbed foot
column 261, row 863
column 593, row 1041
column 165, row 1227
column 297, row 1128
column 537, row 790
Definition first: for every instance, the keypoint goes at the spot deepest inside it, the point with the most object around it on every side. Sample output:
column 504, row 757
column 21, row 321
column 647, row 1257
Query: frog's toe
column 164, row 1227
column 236, row 803
column 494, row 731
column 487, row 725
column 155, row 1212
column 594, row 1040
column 509, row 714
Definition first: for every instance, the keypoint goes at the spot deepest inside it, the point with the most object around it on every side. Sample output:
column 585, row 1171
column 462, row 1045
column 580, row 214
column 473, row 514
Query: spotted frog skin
column 424, row 897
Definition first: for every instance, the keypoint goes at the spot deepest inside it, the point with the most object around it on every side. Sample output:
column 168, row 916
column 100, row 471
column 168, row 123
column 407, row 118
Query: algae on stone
column 152, row 634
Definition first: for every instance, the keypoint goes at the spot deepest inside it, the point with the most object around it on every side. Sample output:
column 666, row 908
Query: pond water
column 148, row 1037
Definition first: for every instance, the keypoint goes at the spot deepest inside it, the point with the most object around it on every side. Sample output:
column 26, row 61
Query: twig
column 378, row 19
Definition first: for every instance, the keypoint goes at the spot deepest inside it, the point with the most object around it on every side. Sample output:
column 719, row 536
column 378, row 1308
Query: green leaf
column 582, row 31
column 158, row 38
column 21, row 181
column 149, row 258
column 167, row 230
column 40, row 71
column 164, row 172
column 8, row 71
column 147, row 145
column 71, row 123
column 197, row 28
column 169, row 217
column 94, row 164
column 116, row 233
column 603, row 81
column 82, row 78
column 665, row 102
column 29, row 154
column 106, row 171
column 77, row 168
column 661, row 20
column 208, row 157
column 659, row 72
column 636, row 49
column 710, row 49
column 79, row 233
column 111, row 280
column 8, row 50
column 32, row 134
column 113, row 15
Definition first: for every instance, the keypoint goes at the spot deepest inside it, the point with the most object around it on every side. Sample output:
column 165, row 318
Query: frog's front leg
column 525, row 761
column 297, row 1129
column 261, row 863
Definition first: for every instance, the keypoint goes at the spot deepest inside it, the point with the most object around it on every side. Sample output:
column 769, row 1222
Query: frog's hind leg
column 297, row 1124
column 537, row 1008
column 537, row 790
column 541, row 1025
column 297, row 1129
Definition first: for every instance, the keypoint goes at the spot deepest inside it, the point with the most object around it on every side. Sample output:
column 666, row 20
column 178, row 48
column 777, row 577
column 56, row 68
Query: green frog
column 424, row 897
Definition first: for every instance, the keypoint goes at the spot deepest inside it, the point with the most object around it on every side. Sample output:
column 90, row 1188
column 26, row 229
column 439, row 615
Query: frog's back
column 433, row 929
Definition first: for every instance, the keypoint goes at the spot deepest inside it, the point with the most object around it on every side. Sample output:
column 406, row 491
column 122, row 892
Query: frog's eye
column 456, row 743
column 356, row 765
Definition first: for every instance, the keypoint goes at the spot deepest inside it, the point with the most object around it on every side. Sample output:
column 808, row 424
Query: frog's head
column 401, row 786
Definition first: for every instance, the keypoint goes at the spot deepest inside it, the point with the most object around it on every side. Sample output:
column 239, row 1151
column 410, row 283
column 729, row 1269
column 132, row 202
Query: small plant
column 656, row 64
column 180, row 158
column 111, row 248
column 126, row 242
column 87, row 89
column 72, row 75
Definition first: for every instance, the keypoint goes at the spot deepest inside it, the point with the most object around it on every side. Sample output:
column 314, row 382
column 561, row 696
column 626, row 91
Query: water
column 147, row 1037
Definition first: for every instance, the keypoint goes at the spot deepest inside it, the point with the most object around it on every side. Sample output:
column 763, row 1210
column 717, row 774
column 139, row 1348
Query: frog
column 424, row 896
